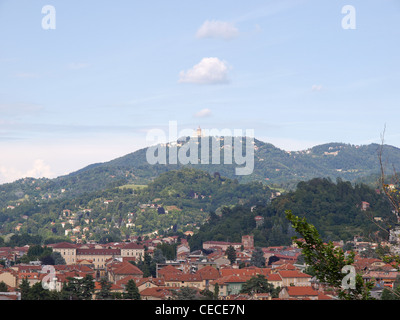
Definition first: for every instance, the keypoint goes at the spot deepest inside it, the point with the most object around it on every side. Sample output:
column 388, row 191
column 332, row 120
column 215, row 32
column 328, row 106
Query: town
column 221, row 271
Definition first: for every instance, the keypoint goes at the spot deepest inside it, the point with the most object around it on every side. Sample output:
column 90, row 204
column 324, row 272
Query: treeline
column 335, row 209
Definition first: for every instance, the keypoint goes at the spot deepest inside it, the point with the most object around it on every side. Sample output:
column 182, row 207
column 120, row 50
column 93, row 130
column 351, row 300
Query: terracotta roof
column 301, row 291
column 114, row 287
column 322, row 296
column 188, row 277
column 274, row 277
column 62, row 245
column 286, row 266
column 231, row 279
column 98, row 251
column 208, row 273
column 169, row 269
column 293, row 274
column 140, row 281
column 182, row 277
column 161, row 293
column 126, row 268
column 28, row 268
column 251, row 271
column 133, row 245
column 74, row 267
column 222, row 243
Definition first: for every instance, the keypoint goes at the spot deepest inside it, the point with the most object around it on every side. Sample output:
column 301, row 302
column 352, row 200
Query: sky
column 83, row 82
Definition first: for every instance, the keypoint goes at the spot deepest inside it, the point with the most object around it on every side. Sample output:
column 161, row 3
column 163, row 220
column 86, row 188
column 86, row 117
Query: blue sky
column 90, row 89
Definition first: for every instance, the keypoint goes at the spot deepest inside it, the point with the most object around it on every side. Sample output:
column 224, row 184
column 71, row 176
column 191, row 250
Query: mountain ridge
column 272, row 166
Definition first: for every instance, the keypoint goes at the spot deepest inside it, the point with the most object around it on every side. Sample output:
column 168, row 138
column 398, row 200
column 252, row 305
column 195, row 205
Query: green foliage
column 105, row 290
column 168, row 250
column 180, row 198
column 78, row 288
column 24, row 289
column 3, row 287
column 216, row 292
column 348, row 162
column 231, row 254
column 335, row 208
column 257, row 258
column 259, row 284
column 185, row 293
column 21, row 240
column 131, row 291
column 37, row 252
column 327, row 261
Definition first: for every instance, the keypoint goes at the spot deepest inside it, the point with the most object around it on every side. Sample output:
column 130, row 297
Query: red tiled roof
column 133, row 245
column 293, row 274
column 114, row 287
column 222, row 243
column 274, row 277
column 126, row 268
column 62, row 245
column 322, row 296
column 188, row 277
column 231, row 279
column 286, row 266
column 161, row 293
column 251, row 271
column 169, row 269
column 178, row 277
column 98, row 251
column 301, row 291
column 208, row 273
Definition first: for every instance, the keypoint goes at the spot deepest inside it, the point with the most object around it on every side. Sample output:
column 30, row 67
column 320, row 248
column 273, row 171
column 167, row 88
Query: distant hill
column 334, row 208
column 177, row 200
column 272, row 166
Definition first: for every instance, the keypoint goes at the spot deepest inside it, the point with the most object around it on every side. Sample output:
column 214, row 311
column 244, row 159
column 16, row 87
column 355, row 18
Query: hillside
column 335, row 209
column 272, row 166
column 176, row 200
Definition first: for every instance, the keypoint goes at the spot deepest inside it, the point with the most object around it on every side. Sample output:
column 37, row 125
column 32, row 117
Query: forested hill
column 271, row 166
column 179, row 200
column 334, row 208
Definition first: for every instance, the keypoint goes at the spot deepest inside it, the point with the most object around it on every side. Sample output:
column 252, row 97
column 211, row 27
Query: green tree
column 105, row 290
column 257, row 258
column 24, row 288
column 259, row 284
column 231, row 254
column 58, row 258
column 37, row 292
column 132, row 291
column 78, row 288
column 3, row 287
column 327, row 261
column 389, row 295
column 216, row 291
column 185, row 293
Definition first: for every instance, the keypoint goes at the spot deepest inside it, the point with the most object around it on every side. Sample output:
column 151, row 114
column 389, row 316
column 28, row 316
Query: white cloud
column 39, row 169
column 207, row 71
column 203, row 113
column 217, row 29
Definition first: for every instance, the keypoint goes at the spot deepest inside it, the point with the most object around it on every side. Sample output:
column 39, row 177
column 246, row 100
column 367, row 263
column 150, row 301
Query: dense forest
column 334, row 208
